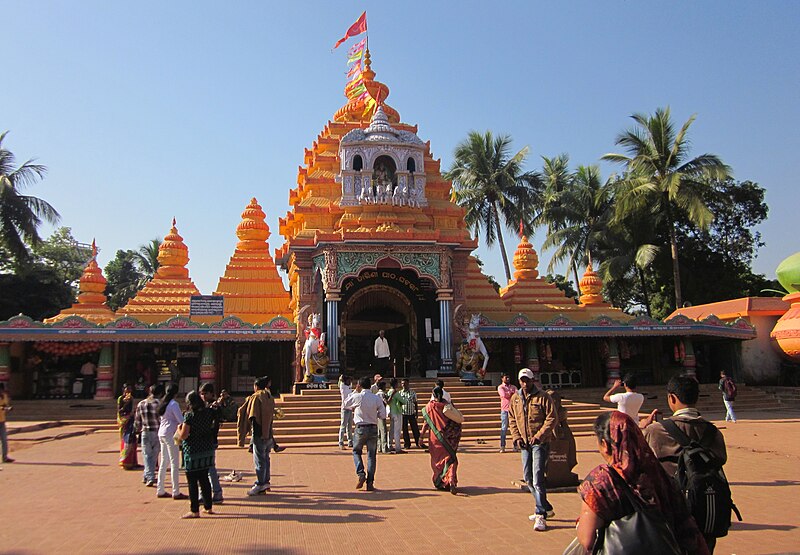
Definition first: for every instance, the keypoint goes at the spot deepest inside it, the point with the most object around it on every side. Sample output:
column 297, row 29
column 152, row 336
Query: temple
column 371, row 241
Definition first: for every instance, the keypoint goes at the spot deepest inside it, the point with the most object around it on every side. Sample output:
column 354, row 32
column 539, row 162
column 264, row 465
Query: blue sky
column 148, row 110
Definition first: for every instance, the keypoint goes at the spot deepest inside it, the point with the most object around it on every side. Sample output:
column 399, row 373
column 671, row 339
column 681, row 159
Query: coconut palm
column 489, row 182
column 146, row 259
column 581, row 219
column 20, row 215
column 660, row 177
column 557, row 180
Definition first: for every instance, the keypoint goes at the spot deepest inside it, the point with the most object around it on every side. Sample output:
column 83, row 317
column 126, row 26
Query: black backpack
column 701, row 479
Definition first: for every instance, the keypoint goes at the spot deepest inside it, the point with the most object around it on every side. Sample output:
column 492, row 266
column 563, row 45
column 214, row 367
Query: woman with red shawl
column 445, row 434
column 624, row 448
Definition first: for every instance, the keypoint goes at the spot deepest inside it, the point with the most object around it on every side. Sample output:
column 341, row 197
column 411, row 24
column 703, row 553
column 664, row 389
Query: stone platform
column 65, row 493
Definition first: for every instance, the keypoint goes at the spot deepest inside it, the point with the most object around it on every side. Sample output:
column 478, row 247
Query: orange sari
column 443, row 442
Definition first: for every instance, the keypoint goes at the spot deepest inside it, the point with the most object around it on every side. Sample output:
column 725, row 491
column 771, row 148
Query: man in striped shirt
column 146, row 423
column 410, row 410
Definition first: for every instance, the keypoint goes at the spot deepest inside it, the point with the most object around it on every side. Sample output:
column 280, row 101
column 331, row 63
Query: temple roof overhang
column 128, row 329
column 744, row 307
column 606, row 326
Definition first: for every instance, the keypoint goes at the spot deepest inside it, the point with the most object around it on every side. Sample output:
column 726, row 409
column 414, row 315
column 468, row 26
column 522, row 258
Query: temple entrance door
column 366, row 312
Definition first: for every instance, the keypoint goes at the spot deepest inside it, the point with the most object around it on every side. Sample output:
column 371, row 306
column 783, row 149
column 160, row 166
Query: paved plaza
column 68, row 495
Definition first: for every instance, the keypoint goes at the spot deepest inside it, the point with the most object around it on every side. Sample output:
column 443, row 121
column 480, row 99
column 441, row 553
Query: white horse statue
column 399, row 196
column 315, row 354
column 473, row 356
column 366, row 196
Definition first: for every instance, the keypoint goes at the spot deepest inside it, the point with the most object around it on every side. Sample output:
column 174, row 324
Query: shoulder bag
column 453, row 414
column 642, row 532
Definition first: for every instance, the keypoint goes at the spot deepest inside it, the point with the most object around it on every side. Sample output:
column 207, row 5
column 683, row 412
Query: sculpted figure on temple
column 413, row 199
column 399, row 196
column 473, row 356
column 315, row 353
column 366, row 196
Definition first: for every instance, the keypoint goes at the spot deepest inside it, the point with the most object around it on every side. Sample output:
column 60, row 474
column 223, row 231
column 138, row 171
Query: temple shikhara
column 371, row 241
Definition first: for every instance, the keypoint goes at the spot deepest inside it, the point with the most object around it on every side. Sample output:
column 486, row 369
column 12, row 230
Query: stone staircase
column 312, row 417
column 788, row 396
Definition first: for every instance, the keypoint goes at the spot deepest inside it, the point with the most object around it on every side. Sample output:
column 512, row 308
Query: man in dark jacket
column 532, row 418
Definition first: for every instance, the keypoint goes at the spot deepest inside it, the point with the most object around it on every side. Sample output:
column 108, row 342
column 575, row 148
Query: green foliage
column 489, row 182
column 124, row 278
column 490, row 279
column 661, row 180
column 64, row 255
column 20, row 214
column 147, row 258
column 35, row 290
column 564, row 284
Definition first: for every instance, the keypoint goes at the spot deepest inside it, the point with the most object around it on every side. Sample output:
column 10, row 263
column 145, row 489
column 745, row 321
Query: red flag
column 360, row 26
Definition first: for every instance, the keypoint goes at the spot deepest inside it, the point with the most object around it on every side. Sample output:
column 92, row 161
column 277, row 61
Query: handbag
column 642, row 532
column 453, row 414
column 575, row 548
column 177, row 437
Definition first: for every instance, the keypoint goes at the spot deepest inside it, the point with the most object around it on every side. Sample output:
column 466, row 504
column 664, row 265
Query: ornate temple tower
column 371, row 198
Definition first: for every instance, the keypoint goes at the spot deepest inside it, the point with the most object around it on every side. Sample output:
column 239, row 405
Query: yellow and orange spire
column 527, row 292
column 252, row 288
column 91, row 303
column 169, row 292
column 591, row 288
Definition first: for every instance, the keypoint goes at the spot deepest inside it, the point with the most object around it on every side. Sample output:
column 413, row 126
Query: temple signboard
column 207, row 305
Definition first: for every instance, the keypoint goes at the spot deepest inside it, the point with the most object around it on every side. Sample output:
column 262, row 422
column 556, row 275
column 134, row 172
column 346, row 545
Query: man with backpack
column 728, row 388
column 692, row 449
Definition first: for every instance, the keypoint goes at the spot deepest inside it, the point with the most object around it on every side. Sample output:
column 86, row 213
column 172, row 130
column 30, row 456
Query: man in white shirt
column 629, row 402
column 445, row 395
column 346, row 427
column 88, row 374
column 367, row 409
column 382, row 354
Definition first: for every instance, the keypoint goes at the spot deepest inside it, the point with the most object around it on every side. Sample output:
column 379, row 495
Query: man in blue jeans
column 255, row 416
column 368, row 409
column 532, row 418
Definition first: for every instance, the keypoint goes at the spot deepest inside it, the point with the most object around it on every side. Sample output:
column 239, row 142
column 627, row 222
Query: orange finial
column 521, row 228
column 173, row 221
column 94, row 249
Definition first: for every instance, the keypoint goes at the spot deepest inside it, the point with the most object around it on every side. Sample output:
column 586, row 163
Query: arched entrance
column 396, row 301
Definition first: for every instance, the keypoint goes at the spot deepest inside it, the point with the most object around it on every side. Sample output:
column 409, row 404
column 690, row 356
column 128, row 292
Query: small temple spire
column 171, row 288
column 591, row 288
column 91, row 302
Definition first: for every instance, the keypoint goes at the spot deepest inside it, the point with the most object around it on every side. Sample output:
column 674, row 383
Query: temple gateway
column 372, row 241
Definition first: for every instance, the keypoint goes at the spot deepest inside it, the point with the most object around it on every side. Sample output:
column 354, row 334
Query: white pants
column 397, row 426
column 169, row 456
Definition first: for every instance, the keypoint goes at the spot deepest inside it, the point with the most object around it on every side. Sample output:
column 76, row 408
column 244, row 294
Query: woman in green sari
column 445, row 434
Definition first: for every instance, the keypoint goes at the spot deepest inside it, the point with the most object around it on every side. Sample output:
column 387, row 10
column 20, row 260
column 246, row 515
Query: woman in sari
column 443, row 440
column 127, row 433
column 630, row 460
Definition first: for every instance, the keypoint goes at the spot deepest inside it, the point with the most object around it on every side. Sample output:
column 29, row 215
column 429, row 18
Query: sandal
column 209, row 511
column 191, row 515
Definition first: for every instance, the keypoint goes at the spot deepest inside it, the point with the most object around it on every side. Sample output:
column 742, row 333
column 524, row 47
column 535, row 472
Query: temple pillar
column 332, row 298
column 445, row 300
column 5, row 364
column 208, row 371
column 105, row 373
column 689, row 360
column 532, row 356
column 613, row 362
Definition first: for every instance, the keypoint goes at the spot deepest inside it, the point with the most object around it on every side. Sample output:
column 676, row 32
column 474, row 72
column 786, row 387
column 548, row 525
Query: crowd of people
column 647, row 465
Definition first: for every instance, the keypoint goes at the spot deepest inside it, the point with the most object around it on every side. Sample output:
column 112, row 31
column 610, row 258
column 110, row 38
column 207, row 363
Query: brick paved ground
column 68, row 495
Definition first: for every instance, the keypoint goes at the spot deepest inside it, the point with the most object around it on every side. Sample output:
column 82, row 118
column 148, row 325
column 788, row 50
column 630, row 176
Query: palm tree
column 584, row 210
column 147, row 258
column 557, row 179
column 490, row 184
column 628, row 250
column 20, row 215
column 660, row 178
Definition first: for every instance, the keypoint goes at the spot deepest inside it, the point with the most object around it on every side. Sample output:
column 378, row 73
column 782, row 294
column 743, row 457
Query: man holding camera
column 532, row 417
